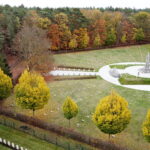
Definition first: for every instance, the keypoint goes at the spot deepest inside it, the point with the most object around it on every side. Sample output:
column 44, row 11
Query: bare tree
column 31, row 45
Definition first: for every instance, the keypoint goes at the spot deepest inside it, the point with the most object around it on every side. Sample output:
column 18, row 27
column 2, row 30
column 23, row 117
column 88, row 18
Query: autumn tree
column 97, row 41
column 31, row 92
column 138, row 34
column 70, row 109
column 111, row 37
column 61, row 18
column 127, row 30
column 73, row 43
column 5, row 85
column 123, row 38
column 146, row 127
column 31, row 45
column 65, row 36
column 98, row 27
column 142, row 20
column 82, row 37
column 44, row 23
column 112, row 114
column 54, row 36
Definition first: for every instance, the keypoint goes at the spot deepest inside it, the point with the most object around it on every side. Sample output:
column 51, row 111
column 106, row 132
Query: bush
column 32, row 91
column 5, row 85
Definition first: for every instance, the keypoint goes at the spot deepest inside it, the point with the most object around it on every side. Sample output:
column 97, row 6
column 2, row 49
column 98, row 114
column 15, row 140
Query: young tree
column 146, row 127
column 70, row 109
column 112, row 114
column 31, row 92
column 5, row 85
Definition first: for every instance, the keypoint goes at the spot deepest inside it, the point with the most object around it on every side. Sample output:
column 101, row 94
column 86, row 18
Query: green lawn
column 99, row 58
column 24, row 140
column 87, row 94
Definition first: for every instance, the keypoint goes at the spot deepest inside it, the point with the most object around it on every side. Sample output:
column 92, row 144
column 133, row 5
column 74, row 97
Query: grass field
column 87, row 94
column 24, row 140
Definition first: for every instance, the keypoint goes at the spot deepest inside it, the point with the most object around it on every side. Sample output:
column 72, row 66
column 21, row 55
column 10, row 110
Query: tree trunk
column 109, row 137
column 33, row 112
column 69, row 123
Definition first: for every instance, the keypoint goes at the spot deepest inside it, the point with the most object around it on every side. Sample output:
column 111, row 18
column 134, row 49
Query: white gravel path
column 72, row 73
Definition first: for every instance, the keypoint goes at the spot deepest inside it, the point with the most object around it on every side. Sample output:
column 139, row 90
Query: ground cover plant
column 128, row 79
column 87, row 94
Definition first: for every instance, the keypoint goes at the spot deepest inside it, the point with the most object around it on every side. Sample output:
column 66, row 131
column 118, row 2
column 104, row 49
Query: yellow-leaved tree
column 146, row 127
column 70, row 109
column 5, row 85
column 112, row 114
column 32, row 91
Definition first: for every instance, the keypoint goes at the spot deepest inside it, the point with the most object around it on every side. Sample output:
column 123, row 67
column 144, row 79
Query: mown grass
column 124, row 66
column 87, row 94
column 127, row 79
column 23, row 139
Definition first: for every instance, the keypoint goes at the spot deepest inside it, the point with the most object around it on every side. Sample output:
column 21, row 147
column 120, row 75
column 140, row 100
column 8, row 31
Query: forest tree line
column 74, row 28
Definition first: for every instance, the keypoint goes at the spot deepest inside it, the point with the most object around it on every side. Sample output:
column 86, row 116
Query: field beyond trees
column 87, row 94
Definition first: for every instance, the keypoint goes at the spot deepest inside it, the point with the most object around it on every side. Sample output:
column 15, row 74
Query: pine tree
column 70, row 109
column 112, row 114
column 31, row 92
column 5, row 85
column 146, row 127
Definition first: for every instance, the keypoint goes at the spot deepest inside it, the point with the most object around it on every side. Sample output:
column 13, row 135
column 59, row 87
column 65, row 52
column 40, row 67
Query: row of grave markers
column 11, row 145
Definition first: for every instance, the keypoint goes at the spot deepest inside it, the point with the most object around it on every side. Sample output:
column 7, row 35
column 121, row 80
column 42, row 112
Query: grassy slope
column 88, row 92
column 24, row 140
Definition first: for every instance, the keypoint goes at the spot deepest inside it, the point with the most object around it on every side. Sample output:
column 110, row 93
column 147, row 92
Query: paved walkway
column 104, row 73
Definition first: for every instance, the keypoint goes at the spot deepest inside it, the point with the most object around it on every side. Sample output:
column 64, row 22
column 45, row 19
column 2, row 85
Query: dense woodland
column 73, row 28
